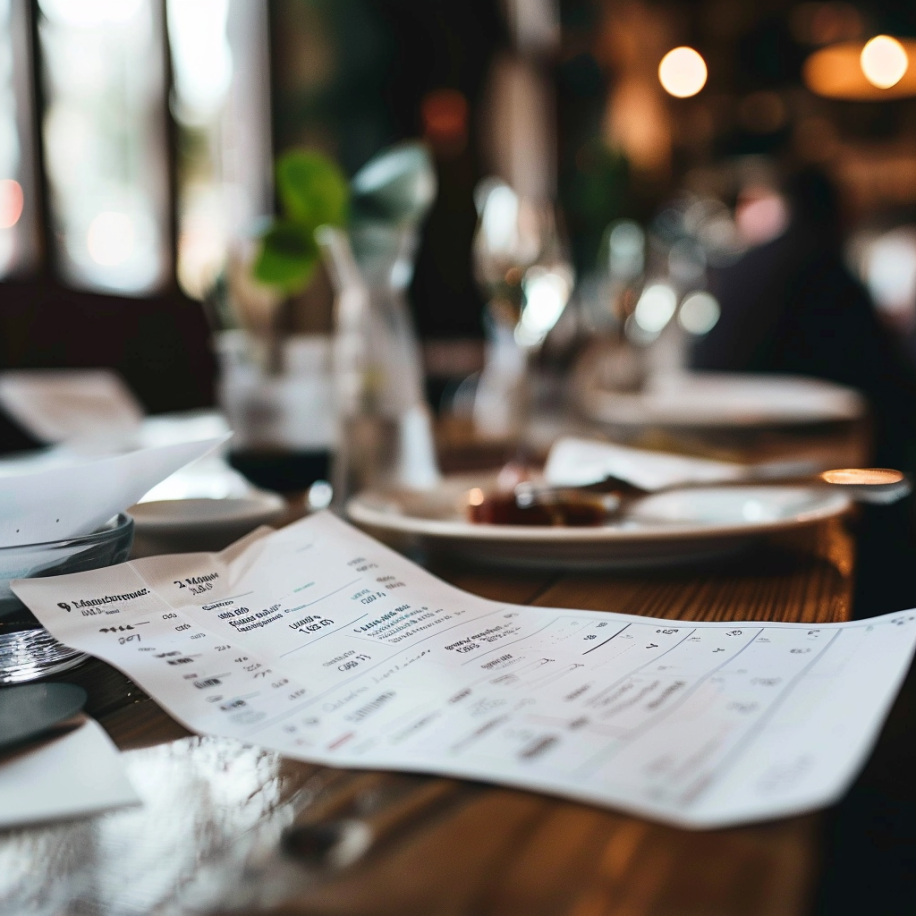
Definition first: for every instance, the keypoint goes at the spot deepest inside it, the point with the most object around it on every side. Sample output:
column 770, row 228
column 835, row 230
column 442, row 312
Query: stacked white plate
column 725, row 400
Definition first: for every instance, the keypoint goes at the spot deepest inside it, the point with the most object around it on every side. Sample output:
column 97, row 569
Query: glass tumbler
column 27, row 650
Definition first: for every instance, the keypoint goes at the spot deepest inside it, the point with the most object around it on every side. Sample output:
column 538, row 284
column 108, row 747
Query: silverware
column 335, row 836
column 614, row 495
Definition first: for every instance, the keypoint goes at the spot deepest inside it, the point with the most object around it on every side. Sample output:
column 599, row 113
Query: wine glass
column 521, row 262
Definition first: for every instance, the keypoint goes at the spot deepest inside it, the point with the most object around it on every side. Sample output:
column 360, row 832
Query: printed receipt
column 321, row 643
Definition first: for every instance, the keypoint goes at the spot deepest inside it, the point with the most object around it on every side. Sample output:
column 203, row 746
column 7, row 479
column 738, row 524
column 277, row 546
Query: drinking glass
column 522, row 264
column 28, row 650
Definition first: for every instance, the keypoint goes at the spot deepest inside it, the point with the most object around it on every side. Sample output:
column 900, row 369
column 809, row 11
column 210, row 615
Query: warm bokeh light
column 837, row 72
column 682, row 72
column 638, row 123
column 863, row 475
column 110, row 239
column 445, row 119
column 11, row 203
column 884, row 61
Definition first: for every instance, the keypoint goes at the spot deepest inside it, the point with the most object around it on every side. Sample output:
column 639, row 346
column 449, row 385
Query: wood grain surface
column 209, row 835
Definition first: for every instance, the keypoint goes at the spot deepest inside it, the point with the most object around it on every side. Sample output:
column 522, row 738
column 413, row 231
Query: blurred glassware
column 649, row 297
column 885, row 261
column 705, row 220
column 613, row 359
column 396, row 187
column 699, row 313
column 522, row 264
column 27, row 650
column 283, row 424
column 384, row 425
column 279, row 389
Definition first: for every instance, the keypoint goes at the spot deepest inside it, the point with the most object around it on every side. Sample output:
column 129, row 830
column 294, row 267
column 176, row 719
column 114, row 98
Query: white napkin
column 64, row 501
column 577, row 462
column 77, row 774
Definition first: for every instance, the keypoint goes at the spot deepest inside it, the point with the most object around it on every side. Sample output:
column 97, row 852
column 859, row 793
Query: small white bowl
column 179, row 525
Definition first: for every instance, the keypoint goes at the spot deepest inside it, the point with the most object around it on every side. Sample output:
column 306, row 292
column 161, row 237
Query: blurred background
column 731, row 186
column 137, row 139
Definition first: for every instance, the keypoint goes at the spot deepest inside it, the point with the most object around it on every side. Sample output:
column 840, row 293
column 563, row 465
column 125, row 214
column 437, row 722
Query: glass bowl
column 27, row 650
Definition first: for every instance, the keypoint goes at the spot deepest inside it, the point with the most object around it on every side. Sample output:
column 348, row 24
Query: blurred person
column 790, row 305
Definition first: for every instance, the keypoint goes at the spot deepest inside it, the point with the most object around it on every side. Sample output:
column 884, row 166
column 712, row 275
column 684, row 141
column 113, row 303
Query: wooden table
column 208, row 836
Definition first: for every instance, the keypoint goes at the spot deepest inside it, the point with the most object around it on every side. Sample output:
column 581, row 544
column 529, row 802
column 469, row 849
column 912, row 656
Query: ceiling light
column 838, row 71
column 884, row 61
column 682, row 72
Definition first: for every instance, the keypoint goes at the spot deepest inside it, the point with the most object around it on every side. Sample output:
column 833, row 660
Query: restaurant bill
column 325, row 645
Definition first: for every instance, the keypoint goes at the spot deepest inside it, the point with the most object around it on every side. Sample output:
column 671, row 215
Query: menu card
column 60, row 405
column 321, row 643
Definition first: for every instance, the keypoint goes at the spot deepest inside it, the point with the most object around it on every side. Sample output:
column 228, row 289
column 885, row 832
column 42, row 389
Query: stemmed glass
column 521, row 263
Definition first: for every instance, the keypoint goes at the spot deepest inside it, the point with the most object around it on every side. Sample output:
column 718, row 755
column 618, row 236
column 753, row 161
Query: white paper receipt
column 321, row 643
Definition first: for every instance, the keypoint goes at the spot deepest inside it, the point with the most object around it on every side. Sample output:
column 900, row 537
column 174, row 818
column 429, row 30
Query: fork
column 613, row 495
column 332, row 838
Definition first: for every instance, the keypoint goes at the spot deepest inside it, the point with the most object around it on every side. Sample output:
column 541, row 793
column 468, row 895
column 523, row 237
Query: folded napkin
column 76, row 774
column 577, row 462
column 55, row 501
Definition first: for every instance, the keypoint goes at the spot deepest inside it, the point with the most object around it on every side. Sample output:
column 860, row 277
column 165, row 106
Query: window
column 154, row 136
column 18, row 210
column 221, row 103
column 103, row 130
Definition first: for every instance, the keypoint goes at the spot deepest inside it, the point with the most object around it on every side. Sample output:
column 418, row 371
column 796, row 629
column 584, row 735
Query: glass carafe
column 385, row 432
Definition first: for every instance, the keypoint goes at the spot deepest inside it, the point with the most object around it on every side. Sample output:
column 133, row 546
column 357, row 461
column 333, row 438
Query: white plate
column 720, row 399
column 171, row 525
column 667, row 529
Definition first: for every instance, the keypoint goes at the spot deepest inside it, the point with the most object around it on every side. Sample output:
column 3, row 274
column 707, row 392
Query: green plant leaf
column 287, row 257
column 312, row 189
